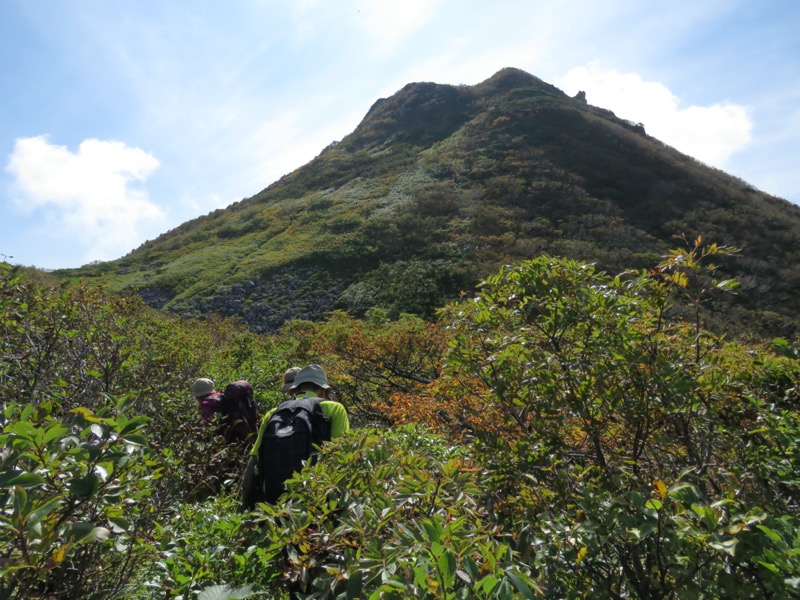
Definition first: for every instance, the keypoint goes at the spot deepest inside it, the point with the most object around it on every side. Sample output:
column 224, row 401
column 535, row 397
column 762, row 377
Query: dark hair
column 308, row 385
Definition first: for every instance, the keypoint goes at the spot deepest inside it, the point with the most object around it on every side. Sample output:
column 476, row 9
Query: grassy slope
column 440, row 184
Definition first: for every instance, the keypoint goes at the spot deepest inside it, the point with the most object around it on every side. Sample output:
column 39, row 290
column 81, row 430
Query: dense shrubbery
column 642, row 454
column 584, row 435
column 77, row 495
column 386, row 513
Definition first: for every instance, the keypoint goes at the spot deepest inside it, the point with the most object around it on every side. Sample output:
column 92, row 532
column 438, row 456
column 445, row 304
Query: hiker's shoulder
column 292, row 405
column 214, row 399
column 331, row 404
column 332, row 408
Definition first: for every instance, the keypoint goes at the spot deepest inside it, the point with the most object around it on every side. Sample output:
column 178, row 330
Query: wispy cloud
column 711, row 133
column 90, row 196
column 390, row 21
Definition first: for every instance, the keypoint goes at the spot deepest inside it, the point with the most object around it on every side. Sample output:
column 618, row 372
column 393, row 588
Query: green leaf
column 769, row 566
column 728, row 284
column 133, row 425
column 773, row 535
column 8, row 476
column 84, row 486
column 521, row 586
column 355, row 586
column 119, row 523
column 136, row 439
column 82, row 532
column 471, row 567
column 43, row 509
column 447, row 567
column 124, row 402
column 645, row 530
column 57, row 431
column 24, row 429
column 432, row 529
column 488, row 583
column 26, row 480
column 27, row 413
column 20, row 500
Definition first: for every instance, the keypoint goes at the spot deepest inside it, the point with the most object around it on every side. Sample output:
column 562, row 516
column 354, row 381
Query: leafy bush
column 601, row 400
column 75, row 499
column 368, row 361
column 390, row 514
column 584, row 436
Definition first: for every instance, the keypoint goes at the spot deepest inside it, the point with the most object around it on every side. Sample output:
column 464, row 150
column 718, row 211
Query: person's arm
column 209, row 406
column 340, row 422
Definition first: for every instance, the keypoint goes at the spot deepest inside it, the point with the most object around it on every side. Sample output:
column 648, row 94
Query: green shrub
column 75, row 494
column 391, row 514
column 648, row 457
column 601, row 442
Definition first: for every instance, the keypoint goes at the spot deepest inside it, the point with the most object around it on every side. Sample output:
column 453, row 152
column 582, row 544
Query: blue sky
column 121, row 120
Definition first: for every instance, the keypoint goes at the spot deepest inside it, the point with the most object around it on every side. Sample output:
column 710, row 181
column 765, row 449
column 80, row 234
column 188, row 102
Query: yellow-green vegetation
column 564, row 433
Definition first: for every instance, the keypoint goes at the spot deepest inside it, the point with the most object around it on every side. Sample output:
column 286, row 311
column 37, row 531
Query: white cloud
column 87, row 197
column 389, row 21
column 709, row 133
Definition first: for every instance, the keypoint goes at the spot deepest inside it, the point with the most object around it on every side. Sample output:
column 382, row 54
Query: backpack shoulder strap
column 322, row 424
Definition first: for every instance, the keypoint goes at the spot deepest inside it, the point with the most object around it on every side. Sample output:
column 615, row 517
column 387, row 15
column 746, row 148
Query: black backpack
column 239, row 420
column 289, row 438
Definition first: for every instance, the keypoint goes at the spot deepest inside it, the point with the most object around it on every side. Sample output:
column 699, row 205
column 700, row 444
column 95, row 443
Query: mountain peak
column 511, row 78
column 420, row 113
column 423, row 113
column 440, row 184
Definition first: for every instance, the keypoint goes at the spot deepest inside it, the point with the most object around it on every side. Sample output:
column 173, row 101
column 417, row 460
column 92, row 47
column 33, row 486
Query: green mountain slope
column 438, row 185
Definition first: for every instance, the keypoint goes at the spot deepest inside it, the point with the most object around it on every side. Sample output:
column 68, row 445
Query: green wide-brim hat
column 311, row 374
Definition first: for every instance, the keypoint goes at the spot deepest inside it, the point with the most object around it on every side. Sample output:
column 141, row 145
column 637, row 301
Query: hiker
column 288, row 434
column 288, row 379
column 208, row 398
column 236, row 405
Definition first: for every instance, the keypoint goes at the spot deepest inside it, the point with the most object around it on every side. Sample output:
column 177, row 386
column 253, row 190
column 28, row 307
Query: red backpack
column 239, row 412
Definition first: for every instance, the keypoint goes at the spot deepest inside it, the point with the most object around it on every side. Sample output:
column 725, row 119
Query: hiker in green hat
column 289, row 434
